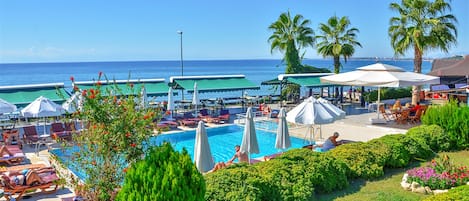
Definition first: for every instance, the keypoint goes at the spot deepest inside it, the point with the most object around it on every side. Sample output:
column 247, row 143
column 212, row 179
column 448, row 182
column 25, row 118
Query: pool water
column 222, row 141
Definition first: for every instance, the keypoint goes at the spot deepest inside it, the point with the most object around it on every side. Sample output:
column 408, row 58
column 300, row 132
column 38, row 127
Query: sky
column 117, row 30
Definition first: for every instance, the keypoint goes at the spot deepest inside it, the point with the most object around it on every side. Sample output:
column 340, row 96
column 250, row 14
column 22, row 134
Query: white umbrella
column 380, row 75
column 170, row 106
column 195, row 97
column 73, row 104
column 283, row 138
column 336, row 112
column 42, row 107
column 202, row 154
column 249, row 144
column 310, row 112
column 6, row 107
column 144, row 98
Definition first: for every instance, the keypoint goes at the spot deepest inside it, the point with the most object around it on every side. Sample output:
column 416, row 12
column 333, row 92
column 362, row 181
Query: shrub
column 453, row 120
column 398, row 155
column 239, row 182
column 363, row 159
column 164, row 174
column 460, row 193
column 433, row 135
column 388, row 93
column 319, row 169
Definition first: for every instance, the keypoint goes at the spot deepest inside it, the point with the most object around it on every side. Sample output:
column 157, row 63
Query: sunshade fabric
column 74, row 103
column 282, row 140
column 214, row 84
column 26, row 95
column 6, row 107
column 249, row 143
column 202, row 154
column 152, row 88
column 380, row 75
column 309, row 112
column 42, row 107
column 307, row 81
column 336, row 112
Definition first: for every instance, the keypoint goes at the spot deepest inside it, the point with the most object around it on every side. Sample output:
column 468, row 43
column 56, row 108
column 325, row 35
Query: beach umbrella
column 249, row 144
column 170, row 106
column 42, row 107
column 6, row 107
column 283, row 138
column 195, row 97
column 144, row 98
column 202, row 154
column 310, row 112
column 380, row 75
column 336, row 112
column 74, row 103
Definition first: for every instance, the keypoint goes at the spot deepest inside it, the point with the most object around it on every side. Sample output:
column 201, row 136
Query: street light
column 182, row 63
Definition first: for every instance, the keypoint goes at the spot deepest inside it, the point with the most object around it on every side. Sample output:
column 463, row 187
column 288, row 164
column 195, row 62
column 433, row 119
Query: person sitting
column 242, row 157
column 266, row 109
column 414, row 109
column 397, row 105
column 30, row 177
column 329, row 144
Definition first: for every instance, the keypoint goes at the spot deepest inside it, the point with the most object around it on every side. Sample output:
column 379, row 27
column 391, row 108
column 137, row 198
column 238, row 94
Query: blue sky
column 88, row 30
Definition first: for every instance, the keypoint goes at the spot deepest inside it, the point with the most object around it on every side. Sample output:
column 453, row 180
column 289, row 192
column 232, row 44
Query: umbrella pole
column 377, row 104
column 44, row 125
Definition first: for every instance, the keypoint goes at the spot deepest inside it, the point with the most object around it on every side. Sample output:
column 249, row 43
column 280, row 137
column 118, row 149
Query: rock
column 439, row 191
column 406, row 186
column 419, row 190
column 414, row 185
column 428, row 190
column 404, row 178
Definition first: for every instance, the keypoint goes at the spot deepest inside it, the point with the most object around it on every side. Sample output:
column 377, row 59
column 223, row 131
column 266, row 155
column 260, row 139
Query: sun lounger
column 188, row 123
column 203, row 114
column 59, row 133
column 11, row 154
column 224, row 115
column 21, row 167
column 30, row 134
column 42, row 179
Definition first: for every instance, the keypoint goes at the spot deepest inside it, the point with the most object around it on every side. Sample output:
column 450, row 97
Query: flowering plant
column 115, row 133
column 439, row 174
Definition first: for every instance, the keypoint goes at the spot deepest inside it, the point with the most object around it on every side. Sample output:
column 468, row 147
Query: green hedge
column 460, row 193
column 363, row 159
column 388, row 93
column 397, row 154
column 453, row 120
column 433, row 135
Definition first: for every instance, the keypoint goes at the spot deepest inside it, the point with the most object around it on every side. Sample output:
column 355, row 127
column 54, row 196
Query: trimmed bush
column 388, row 93
column 433, row 135
column 164, row 174
column 398, row 155
column 460, row 193
column 453, row 120
column 364, row 159
column 239, row 182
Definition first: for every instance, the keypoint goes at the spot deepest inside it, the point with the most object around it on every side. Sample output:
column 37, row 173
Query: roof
column 450, row 67
column 25, row 94
column 306, row 79
column 153, row 87
column 213, row 83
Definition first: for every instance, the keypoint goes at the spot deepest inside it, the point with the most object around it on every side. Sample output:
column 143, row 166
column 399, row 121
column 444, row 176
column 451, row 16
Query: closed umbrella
column 170, row 106
column 6, row 107
column 73, row 104
column 202, row 154
column 42, row 107
column 283, row 137
column 249, row 144
column 380, row 75
column 144, row 98
column 310, row 112
column 195, row 97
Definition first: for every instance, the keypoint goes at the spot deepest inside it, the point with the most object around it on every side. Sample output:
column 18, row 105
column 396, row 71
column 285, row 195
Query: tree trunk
column 417, row 69
column 336, row 64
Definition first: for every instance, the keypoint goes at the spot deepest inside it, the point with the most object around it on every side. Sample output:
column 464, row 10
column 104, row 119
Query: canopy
column 333, row 110
column 73, row 104
column 380, row 75
column 249, row 143
column 153, row 87
column 453, row 68
column 212, row 83
column 283, row 138
column 310, row 80
column 202, row 154
column 42, row 107
column 6, row 107
column 25, row 94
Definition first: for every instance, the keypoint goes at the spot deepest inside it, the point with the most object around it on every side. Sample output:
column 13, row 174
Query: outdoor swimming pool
column 221, row 139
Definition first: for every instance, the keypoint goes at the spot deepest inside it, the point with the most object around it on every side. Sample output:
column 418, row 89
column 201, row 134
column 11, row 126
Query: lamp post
column 182, row 62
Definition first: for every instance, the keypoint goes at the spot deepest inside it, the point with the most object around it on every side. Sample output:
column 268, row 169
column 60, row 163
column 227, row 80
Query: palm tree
column 421, row 25
column 289, row 36
column 337, row 40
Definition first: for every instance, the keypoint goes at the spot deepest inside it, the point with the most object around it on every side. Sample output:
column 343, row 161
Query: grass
column 388, row 186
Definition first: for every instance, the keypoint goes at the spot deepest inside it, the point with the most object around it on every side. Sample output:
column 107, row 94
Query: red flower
column 92, row 96
column 83, row 93
column 75, row 88
column 93, row 163
column 72, row 78
column 131, row 85
column 125, row 170
column 98, row 83
column 128, row 134
column 133, row 145
column 100, row 73
column 146, row 117
column 168, row 112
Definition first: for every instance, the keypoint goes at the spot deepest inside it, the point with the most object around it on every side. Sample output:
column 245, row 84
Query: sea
column 257, row 70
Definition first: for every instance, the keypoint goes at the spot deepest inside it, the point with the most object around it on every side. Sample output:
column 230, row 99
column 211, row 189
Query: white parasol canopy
column 74, row 103
column 283, row 137
column 202, row 154
column 6, row 107
column 336, row 112
column 144, row 98
column 380, row 75
column 195, row 97
column 170, row 106
column 249, row 144
column 42, row 107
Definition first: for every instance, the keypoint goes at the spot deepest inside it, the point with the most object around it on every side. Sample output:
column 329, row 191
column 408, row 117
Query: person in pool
column 242, row 157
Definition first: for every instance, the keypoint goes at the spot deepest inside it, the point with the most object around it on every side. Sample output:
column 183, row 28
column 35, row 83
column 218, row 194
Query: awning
column 310, row 80
column 213, row 83
column 25, row 94
column 153, row 87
